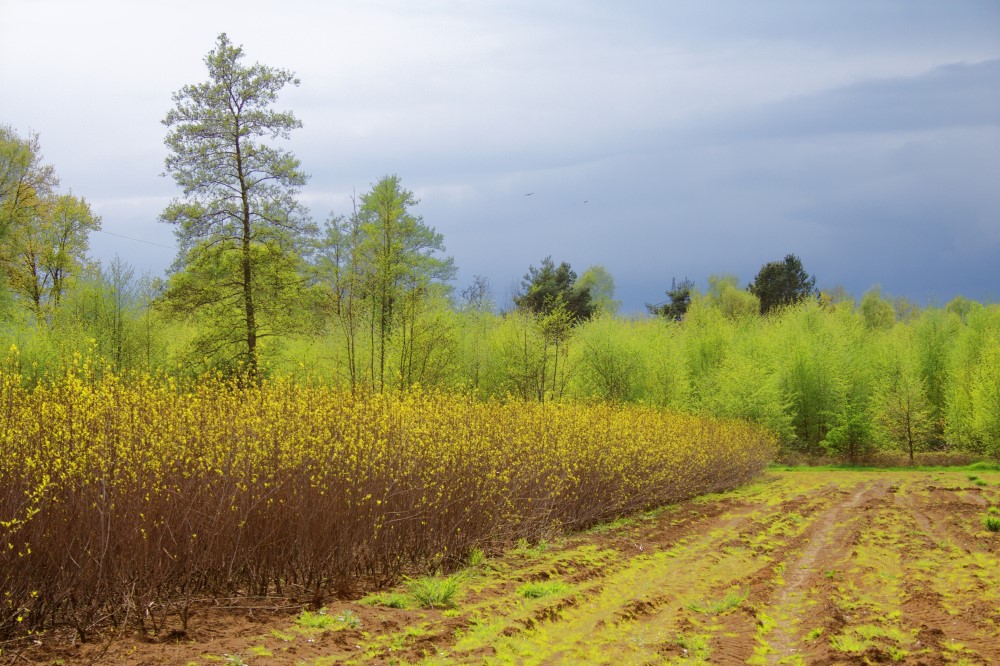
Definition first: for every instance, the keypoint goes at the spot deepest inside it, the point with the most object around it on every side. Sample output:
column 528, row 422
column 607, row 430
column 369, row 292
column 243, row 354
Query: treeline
column 829, row 376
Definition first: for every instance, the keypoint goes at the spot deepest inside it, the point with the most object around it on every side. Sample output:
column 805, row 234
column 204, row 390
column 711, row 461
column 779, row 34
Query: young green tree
column 383, row 268
column 45, row 252
column 601, row 285
column 780, row 283
column 734, row 302
column 240, row 227
column 26, row 188
column 25, row 182
column 902, row 408
column 877, row 312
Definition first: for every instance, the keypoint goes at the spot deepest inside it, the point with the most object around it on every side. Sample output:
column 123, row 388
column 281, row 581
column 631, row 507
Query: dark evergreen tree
column 780, row 283
column 550, row 287
column 676, row 307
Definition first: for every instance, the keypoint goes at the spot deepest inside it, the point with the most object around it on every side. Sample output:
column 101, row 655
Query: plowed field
column 804, row 567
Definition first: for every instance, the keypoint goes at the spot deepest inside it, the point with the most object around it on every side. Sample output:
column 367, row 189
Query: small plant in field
column 349, row 619
column 991, row 523
column 282, row 635
column 849, row 643
column 980, row 482
column 435, row 592
column 234, row 660
column 696, row 645
column 732, row 599
column 973, row 477
column 897, row 654
column 814, row 634
column 993, row 511
column 476, row 557
column 541, row 589
column 321, row 619
column 261, row 651
column 389, row 600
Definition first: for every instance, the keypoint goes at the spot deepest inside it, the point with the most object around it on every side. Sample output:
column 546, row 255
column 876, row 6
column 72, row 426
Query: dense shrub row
column 830, row 377
column 125, row 500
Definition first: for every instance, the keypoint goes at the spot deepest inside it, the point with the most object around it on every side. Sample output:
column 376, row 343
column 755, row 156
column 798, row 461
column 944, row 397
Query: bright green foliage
column 985, row 395
column 47, row 251
column 239, row 225
column 384, row 285
column 877, row 312
column 735, row 303
column 434, row 591
column 545, row 588
column 43, row 235
column 611, row 365
column 905, row 414
column 601, row 285
column 808, row 373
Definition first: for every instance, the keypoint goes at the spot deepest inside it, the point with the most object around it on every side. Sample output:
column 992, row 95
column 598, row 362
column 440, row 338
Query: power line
column 137, row 240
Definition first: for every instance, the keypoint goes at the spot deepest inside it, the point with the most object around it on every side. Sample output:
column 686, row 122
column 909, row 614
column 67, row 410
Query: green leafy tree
column 877, row 312
column 601, row 285
column 781, row 283
column 549, row 288
column 44, row 253
column 903, row 410
column 734, row 302
column 384, row 270
column 26, row 188
column 240, row 227
column 985, row 397
column 679, row 300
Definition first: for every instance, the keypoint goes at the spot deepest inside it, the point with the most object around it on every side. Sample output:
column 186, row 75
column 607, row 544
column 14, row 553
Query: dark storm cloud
column 955, row 95
column 707, row 137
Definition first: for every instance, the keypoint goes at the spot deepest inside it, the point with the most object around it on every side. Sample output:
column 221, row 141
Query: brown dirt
column 826, row 568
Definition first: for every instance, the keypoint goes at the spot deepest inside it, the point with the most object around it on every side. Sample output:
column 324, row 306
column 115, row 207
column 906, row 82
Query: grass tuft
column 991, row 523
column 541, row 589
column 732, row 599
column 434, row 592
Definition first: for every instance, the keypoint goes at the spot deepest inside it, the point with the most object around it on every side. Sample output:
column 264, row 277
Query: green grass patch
column 546, row 588
column 991, row 523
column 434, row 591
column 849, row 643
column 696, row 645
column 732, row 599
column 321, row 619
column 387, row 599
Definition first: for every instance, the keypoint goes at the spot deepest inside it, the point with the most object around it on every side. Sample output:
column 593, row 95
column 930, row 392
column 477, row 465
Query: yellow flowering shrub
column 122, row 497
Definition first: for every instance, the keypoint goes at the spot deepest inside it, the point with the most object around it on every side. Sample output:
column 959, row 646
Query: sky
column 659, row 139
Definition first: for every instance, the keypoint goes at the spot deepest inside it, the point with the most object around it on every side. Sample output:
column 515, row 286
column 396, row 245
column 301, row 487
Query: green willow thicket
column 829, row 379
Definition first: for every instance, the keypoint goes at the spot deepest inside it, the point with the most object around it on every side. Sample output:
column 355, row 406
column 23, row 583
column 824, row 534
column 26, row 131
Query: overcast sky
column 704, row 136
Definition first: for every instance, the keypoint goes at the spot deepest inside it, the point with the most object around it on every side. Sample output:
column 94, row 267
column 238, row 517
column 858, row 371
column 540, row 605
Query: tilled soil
column 802, row 568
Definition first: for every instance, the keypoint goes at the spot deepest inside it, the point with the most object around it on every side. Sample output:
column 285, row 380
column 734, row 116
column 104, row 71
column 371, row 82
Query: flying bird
column 587, row 201
column 529, row 194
